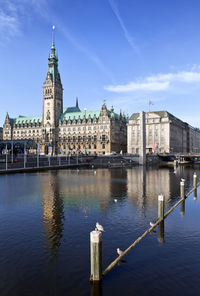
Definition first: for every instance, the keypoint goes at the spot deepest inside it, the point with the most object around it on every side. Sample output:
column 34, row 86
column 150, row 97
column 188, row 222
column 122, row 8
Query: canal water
column 46, row 219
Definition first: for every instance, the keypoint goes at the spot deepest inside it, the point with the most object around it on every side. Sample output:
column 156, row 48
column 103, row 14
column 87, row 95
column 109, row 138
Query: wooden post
column 95, row 255
column 182, row 189
column 195, row 185
column 161, row 206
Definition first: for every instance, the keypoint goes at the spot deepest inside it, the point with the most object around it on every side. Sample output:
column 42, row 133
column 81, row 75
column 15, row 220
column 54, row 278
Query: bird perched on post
column 99, row 227
column 119, row 252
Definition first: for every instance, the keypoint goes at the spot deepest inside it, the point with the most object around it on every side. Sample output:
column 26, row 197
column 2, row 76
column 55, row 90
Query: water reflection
column 144, row 185
column 84, row 198
column 96, row 289
column 82, row 190
column 161, row 231
column 53, row 213
column 182, row 208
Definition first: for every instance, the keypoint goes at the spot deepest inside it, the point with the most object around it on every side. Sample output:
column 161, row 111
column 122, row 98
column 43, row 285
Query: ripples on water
column 46, row 218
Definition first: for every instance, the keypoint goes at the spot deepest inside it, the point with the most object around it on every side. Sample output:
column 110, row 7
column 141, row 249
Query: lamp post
column 84, row 144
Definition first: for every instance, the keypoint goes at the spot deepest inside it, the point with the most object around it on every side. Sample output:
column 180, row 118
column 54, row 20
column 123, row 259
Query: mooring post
column 95, row 255
column 195, row 185
column 161, row 206
column 182, row 189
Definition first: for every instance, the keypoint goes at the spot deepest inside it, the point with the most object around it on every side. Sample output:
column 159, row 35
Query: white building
column 164, row 133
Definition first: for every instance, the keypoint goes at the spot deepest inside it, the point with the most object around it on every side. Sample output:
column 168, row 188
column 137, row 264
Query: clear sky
column 124, row 51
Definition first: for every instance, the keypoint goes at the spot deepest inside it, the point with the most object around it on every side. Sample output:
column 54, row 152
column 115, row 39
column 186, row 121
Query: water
column 46, row 218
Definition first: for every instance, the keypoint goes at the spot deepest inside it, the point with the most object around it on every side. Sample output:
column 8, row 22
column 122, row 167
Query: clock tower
column 52, row 103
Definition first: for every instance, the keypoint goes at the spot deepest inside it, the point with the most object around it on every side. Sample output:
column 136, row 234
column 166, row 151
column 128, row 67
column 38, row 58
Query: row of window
column 89, row 128
column 162, row 133
column 74, row 147
column 162, row 126
column 25, row 132
column 82, row 139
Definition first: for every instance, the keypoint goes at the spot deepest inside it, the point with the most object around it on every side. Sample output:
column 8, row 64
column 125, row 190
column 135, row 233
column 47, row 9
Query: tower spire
column 77, row 102
column 53, row 43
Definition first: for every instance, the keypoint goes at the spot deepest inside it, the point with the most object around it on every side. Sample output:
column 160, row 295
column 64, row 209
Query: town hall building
column 68, row 130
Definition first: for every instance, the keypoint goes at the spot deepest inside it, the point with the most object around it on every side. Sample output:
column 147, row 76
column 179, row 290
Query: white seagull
column 152, row 224
column 119, row 252
column 99, row 227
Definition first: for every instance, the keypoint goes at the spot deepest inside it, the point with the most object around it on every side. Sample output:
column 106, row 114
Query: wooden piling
column 112, row 264
column 161, row 206
column 182, row 189
column 95, row 255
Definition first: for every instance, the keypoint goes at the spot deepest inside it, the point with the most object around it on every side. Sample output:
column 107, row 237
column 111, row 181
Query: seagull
column 99, row 227
column 182, row 180
column 152, row 224
column 119, row 252
column 115, row 200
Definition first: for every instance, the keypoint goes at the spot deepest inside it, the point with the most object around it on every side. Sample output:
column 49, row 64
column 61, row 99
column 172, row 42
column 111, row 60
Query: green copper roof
column 80, row 115
column 71, row 109
column 27, row 119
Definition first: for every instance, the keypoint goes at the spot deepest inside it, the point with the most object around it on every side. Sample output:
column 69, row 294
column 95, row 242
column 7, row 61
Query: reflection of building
column 144, row 185
column 164, row 133
column 69, row 129
column 53, row 214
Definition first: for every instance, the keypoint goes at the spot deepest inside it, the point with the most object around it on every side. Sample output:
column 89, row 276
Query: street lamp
column 84, row 143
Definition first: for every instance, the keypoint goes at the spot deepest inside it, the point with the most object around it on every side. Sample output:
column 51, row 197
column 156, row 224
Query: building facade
column 165, row 133
column 68, row 130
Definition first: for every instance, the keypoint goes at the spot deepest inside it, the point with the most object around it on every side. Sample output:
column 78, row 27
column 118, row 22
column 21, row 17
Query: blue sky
column 124, row 51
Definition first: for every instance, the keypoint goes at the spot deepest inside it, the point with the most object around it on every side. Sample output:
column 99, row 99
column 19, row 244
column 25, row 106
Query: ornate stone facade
column 63, row 131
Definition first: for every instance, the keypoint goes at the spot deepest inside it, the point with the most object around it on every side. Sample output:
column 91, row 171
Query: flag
column 150, row 103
